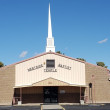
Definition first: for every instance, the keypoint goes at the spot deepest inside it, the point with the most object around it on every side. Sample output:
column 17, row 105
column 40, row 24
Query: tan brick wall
column 7, row 82
column 98, row 76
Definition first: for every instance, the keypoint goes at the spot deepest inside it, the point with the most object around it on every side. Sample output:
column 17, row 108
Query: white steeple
column 49, row 25
column 50, row 40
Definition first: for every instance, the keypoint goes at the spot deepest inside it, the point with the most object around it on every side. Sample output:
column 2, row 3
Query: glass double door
column 50, row 94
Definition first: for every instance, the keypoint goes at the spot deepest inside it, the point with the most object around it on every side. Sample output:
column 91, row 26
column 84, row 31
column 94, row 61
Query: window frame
column 54, row 63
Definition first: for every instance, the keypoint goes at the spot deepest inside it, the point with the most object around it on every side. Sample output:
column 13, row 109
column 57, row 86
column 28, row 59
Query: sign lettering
column 35, row 67
column 50, row 70
column 64, row 66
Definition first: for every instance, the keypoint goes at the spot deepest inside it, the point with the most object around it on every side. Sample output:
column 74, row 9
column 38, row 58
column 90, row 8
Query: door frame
column 50, row 93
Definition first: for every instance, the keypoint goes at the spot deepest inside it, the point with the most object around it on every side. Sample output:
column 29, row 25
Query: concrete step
column 51, row 107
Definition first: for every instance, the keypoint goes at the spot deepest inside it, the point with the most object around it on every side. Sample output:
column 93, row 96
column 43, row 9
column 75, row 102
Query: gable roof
column 54, row 54
column 51, row 82
column 51, row 53
column 42, row 55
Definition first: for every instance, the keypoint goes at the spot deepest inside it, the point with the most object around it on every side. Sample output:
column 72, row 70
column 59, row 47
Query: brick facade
column 7, row 82
column 35, row 94
column 98, row 76
column 99, row 93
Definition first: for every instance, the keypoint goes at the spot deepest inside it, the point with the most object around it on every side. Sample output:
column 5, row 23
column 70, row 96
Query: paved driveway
column 67, row 107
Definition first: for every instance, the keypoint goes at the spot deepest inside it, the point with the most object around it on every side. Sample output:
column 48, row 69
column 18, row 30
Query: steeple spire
column 49, row 24
column 50, row 40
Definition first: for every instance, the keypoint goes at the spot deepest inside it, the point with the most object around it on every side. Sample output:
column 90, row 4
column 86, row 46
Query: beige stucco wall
column 7, row 82
column 98, row 76
column 74, row 76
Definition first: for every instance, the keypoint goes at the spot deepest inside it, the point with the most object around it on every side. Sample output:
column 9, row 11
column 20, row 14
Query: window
column 90, row 85
column 50, row 63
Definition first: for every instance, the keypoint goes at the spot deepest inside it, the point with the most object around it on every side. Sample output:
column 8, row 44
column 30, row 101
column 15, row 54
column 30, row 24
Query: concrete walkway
column 51, row 107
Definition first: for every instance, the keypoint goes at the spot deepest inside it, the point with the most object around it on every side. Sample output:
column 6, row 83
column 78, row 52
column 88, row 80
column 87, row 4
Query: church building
column 53, row 78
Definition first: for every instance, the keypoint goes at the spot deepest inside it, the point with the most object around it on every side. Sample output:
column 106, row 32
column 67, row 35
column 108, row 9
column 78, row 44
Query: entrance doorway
column 50, row 94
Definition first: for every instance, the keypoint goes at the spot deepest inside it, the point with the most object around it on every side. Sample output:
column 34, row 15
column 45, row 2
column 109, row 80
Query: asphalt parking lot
column 86, row 107
column 67, row 107
column 20, row 108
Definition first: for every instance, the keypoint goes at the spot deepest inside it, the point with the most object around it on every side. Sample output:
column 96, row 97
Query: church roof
column 42, row 55
column 54, row 54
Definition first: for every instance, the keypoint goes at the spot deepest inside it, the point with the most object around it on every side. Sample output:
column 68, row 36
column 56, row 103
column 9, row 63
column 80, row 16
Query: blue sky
column 81, row 29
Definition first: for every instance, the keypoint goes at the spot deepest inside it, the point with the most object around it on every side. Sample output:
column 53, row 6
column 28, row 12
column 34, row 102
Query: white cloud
column 35, row 54
column 102, row 41
column 23, row 54
column 66, row 48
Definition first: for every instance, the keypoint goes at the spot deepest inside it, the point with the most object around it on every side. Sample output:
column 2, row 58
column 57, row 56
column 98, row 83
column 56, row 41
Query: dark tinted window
column 50, row 63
